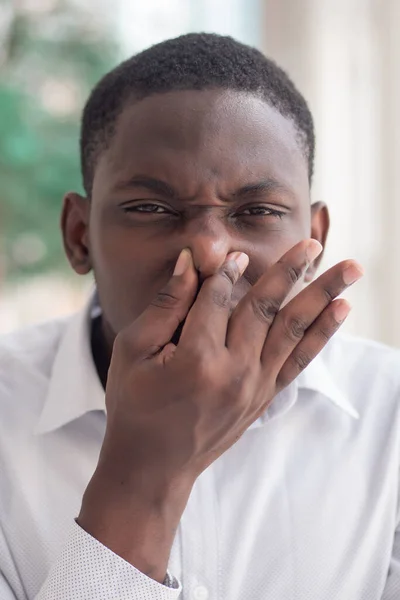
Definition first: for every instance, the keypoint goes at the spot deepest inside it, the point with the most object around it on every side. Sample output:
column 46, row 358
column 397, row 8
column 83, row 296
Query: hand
column 173, row 410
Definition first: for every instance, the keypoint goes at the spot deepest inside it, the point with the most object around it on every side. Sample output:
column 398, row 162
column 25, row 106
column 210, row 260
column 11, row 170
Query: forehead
column 190, row 138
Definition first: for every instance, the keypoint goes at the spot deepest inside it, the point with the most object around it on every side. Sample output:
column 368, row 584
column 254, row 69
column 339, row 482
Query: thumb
column 159, row 321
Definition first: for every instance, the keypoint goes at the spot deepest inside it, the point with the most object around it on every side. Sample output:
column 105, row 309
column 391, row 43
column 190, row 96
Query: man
column 248, row 452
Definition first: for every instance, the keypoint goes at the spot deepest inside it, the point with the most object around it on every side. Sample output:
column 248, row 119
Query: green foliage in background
column 42, row 53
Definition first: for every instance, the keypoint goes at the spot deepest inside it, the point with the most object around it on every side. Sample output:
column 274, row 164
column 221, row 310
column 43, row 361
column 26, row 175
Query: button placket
column 199, row 538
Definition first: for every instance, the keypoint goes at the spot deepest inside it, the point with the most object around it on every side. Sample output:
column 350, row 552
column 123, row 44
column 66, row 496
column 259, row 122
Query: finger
column 314, row 341
column 255, row 313
column 292, row 322
column 207, row 321
column 158, row 322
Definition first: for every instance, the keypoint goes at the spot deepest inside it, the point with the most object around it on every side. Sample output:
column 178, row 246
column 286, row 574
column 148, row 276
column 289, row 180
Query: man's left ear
column 319, row 231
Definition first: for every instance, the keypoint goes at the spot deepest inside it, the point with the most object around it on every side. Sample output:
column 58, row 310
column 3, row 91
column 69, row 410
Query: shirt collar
column 74, row 387
column 317, row 378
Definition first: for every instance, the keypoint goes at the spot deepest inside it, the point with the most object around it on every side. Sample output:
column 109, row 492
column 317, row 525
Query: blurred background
column 343, row 55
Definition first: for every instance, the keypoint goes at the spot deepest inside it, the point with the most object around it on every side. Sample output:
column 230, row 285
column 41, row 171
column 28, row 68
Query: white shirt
column 305, row 506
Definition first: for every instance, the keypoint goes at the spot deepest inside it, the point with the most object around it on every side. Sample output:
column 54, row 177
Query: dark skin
column 222, row 175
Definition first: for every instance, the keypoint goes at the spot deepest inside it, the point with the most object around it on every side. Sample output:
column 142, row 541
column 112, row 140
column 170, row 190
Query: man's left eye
column 262, row 211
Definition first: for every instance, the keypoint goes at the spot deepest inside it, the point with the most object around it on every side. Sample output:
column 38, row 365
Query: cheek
column 128, row 272
column 117, row 252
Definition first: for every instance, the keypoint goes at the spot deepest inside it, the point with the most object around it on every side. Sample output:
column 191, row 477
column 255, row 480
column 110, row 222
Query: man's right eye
column 146, row 208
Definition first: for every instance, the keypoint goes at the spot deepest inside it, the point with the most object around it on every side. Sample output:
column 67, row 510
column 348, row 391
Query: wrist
column 137, row 522
column 111, row 490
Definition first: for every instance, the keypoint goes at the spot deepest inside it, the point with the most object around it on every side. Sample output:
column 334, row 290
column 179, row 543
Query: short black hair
column 195, row 61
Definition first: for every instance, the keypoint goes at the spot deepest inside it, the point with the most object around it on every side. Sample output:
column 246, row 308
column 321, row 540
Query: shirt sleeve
column 87, row 570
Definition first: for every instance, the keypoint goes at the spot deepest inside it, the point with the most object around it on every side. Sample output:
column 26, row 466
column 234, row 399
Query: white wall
column 143, row 24
column 345, row 56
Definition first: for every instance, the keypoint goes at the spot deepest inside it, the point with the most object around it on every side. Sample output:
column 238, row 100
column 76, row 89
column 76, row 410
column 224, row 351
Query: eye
column 261, row 211
column 147, row 208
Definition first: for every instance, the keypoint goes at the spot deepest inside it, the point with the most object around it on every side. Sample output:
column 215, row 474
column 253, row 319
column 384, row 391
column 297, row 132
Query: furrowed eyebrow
column 152, row 184
column 161, row 188
column 258, row 188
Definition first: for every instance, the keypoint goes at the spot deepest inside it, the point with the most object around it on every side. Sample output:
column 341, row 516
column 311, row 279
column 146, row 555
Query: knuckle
column 221, row 298
column 202, row 367
column 165, row 300
column 329, row 294
column 325, row 331
column 291, row 272
column 230, row 272
column 265, row 309
column 294, row 328
column 324, row 334
column 301, row 360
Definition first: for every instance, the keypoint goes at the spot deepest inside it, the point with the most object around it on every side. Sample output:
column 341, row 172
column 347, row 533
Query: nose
column 210, row 241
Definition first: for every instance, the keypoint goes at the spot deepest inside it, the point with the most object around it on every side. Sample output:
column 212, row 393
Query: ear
column 75, row 230
column 319, row 231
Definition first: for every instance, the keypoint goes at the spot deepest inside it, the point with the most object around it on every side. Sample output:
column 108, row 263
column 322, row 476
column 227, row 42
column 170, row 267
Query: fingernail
column 313, row 250
column 342, row 309
column 241, row 259
column 352, row 274
column 183, row 262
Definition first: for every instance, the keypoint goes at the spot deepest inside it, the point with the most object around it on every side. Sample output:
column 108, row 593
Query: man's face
column 213, row 171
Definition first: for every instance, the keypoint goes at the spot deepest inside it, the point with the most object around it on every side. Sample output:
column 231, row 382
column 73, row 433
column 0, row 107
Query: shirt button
column 200, row 593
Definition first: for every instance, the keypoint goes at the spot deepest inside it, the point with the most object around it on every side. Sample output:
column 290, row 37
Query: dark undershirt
column 99, row 350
